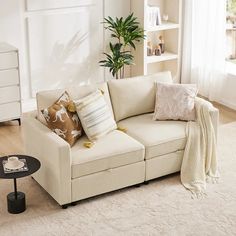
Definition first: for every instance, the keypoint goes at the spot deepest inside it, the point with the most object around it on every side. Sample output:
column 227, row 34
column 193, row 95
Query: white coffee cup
column 13, row 161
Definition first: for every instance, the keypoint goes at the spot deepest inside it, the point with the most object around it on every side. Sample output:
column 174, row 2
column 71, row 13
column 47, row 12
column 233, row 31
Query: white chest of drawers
column 10, row 96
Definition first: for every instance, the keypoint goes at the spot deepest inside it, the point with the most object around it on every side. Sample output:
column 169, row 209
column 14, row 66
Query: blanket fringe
column 212, row 180
column 198, row 195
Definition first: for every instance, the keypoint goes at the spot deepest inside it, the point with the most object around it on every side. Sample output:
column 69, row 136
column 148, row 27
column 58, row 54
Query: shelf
column 167, row 56
column 230, row 27
column 163, row 26
column 170, row 30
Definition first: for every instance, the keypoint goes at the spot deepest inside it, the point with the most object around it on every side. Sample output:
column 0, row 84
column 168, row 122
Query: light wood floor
column 11, row 140
column 227, row 115
column 11, row 137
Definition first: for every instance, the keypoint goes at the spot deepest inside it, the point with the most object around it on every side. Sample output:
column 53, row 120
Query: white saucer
column 15, row 167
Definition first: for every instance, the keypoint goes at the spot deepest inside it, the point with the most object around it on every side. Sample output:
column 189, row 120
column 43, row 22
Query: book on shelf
column 153, row 16
column 10, row 171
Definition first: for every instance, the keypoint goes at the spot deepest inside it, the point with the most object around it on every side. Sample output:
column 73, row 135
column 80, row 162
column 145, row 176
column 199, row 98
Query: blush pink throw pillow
column 175, row 102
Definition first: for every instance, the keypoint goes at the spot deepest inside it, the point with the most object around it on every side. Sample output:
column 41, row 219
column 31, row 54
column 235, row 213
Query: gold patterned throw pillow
column 62, row 118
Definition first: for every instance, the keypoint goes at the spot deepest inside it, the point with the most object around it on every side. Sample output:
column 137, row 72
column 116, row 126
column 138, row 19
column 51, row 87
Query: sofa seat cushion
column 158, row 137
column 113, row 150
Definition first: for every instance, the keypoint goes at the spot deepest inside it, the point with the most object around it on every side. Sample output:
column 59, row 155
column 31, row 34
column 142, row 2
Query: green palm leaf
column 127, row 31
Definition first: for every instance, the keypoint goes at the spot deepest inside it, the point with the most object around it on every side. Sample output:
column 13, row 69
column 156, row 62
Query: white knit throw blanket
column 200, row 161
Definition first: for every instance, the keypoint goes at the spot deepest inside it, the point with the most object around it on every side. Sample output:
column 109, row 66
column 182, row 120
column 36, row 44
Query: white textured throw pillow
column 175, row 102
column 95, row 115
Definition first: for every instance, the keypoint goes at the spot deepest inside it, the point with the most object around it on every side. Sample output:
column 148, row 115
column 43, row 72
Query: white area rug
column 163, row 207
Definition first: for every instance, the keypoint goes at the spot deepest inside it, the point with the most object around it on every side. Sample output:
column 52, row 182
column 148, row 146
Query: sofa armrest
column 214, row 113
column 55, row 157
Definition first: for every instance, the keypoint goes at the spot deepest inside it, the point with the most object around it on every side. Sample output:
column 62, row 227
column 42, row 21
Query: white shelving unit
column 163, row 26
column 166, row 56
column 170, row 31
column 10, row 94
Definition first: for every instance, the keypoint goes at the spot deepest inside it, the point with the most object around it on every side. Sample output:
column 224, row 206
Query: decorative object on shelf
column 149, row 49
column 126, row 32
column 158, row 50
column 153, row 16
column 162, row 44
column 165, row 17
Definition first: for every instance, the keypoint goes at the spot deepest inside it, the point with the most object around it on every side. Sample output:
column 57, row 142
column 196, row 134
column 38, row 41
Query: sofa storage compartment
column 113, row 150
column 106, row 181
column 164, row 165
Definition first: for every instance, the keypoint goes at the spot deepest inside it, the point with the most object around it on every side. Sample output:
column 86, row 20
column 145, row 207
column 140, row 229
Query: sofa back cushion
column 135, row 96
column 47, row 98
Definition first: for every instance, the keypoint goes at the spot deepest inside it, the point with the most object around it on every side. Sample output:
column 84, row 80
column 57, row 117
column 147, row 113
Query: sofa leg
column 65, row 206
column 137, row 185
column 73, row 204
column 146, row 182
column 19, row 121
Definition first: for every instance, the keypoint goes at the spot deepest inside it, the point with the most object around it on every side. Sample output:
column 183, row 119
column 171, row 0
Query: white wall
column 11, row 31
column 43, row 32
column 228, row 94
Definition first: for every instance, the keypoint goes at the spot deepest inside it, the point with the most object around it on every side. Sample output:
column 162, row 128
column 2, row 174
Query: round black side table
column 16, row 200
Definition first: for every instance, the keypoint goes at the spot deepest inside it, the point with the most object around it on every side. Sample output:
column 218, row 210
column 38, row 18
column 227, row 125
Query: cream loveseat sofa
column 149, row 149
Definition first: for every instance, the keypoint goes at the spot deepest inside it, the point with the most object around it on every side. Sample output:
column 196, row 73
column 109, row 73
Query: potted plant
column 126, row 33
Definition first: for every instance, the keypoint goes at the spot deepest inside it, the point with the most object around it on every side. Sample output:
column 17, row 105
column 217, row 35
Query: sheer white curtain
column 203, row 58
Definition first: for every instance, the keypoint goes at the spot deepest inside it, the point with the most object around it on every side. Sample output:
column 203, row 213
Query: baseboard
column 228, row 104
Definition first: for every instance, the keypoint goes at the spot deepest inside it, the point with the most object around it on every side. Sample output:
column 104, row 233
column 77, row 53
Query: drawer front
column 164, row 165
column 10, row 111
column 9, row 94
column 8, row 60
column 9, row 77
